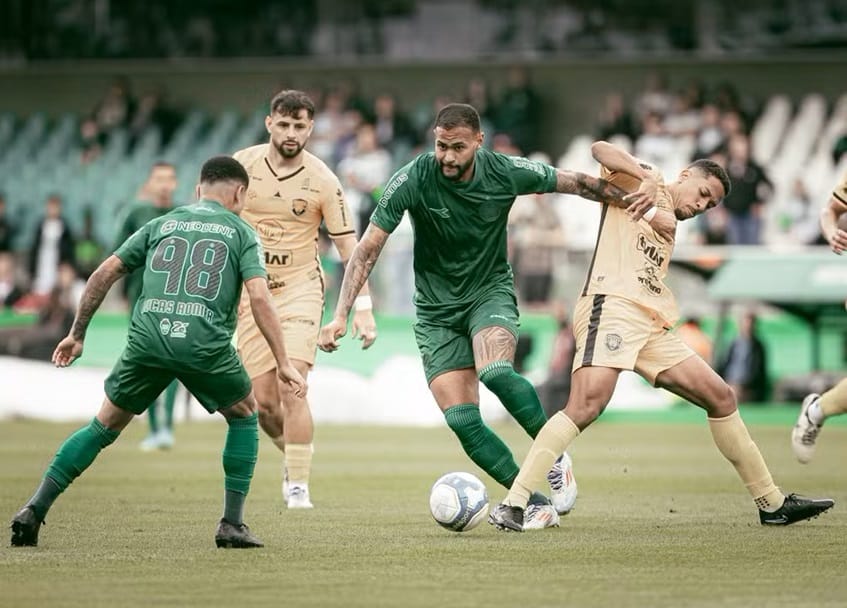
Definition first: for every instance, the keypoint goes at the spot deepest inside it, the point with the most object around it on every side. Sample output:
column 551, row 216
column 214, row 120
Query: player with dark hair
column 817, row 408
column 155, row 199
column 195, row 261
column 623, row 321
column 458, row 198
column 291, row 192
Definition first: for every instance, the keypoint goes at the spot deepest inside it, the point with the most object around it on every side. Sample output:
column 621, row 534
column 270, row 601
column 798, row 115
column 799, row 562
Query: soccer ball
column 458, row 501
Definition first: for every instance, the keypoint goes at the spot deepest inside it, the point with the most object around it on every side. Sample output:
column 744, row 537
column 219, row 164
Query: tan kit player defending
column 291, row 192
column 623, row 321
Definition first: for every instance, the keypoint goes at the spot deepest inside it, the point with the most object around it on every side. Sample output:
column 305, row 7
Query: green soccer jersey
column 460, row 227
column 195, row 260
column 139, row 214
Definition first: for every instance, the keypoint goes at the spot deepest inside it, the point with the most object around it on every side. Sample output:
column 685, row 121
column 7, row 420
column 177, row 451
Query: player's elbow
column 599, row 148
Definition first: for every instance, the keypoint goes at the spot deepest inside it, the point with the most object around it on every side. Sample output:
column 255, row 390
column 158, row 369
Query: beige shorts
column 614, row 332
column 299, row 308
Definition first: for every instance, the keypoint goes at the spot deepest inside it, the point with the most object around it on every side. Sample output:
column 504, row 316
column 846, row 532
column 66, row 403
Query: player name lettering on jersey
column 207, row 227
column 185, row 309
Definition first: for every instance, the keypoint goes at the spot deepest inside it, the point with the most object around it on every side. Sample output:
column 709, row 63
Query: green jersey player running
column 458, row 198
column 195, row 261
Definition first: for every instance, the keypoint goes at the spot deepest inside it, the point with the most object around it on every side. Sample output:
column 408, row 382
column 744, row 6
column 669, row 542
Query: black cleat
column 231, row 536
column 796, row 508
column 507, row 518
column 25, row 527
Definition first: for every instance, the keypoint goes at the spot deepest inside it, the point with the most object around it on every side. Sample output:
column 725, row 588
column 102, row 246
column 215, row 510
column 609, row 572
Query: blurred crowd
column 365, row 139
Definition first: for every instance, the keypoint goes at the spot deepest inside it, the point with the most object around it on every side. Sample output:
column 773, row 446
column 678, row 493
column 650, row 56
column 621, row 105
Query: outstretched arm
column 359, row 267
column 364, row 325
column 98, row 285
column 592, row 188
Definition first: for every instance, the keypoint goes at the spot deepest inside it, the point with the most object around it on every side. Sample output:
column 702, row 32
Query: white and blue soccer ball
column 458, row 501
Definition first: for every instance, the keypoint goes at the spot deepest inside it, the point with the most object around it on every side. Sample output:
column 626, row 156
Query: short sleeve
column 335, row 211
column 252, row 258
column 530, row 176
column 133, row 251
column 396, row 198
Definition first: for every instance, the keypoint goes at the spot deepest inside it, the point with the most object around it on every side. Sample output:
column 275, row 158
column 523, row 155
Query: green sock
column 239, row 460
column 483, row 446
column 153, row 417
column 170, row 400
column 74, row 456
column 517, row 395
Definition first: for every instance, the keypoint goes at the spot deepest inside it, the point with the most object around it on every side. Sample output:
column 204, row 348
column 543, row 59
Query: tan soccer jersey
column 630, row 259
column 840, row 192
column 287, row 211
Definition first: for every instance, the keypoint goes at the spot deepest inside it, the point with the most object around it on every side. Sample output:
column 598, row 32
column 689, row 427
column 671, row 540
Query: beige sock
column 734, row 442
column 834, row 401
column 298, row 460
column 554, row 437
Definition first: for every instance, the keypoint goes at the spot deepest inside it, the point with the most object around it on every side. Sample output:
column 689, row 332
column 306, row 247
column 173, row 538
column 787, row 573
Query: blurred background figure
column 55, row 317
column 10, row 291
column 52, row 245
column 556, row 388
column 691, row 332
column 363, row 172
column 7, row 228
column 744, row 366
column 751, row 188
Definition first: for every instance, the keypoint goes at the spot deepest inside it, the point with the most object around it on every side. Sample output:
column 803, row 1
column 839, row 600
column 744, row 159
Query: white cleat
column 538, row 517
column 166, row 439
column 298, row 497
column 563, row 490
column 805, row 432
column 150, row 443
column 285, row 483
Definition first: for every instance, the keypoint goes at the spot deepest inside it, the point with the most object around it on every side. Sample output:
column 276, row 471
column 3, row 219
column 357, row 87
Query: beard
column 289, row 152
column 459, row 170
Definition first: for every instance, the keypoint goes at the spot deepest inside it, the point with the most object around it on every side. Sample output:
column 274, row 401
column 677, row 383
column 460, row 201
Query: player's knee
column 463, row 419
column 496, row 374
column 723, row 402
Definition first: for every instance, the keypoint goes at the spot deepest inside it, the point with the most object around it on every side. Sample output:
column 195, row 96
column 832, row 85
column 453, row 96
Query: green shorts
column 445, row 338
column 133, row 385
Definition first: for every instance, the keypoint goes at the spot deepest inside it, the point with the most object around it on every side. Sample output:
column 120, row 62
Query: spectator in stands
column 710, row 137
column 615, row 119
column 519, row 110
column 116, row 108
column 91, row 140
column 656, row 97
column 7, row 229
column 363, row 173
column 654, row 145
column 535, row 238
column 328, row 125
column 394, row 131
column 744, row 366
column 751, row 188
column 556, row 389
column 52, row 245
column 55, row 318
column 10, row 291
column 478, row 94
column 800, row 220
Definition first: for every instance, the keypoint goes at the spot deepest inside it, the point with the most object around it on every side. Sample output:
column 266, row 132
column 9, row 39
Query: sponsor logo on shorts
column 165, row 326
column 179, row 329
column 613, row 342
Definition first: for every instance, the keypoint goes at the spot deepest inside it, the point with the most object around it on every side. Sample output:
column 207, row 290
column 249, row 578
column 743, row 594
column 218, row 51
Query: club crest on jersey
column 613, row 342
column 298, row 206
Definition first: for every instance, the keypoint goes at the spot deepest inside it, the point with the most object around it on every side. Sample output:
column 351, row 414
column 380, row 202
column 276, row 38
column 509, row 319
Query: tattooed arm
column 96, row 288
column 359, row 266
column 592, row 188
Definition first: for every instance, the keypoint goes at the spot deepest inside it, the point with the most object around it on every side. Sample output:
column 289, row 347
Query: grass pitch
column 661, row 520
